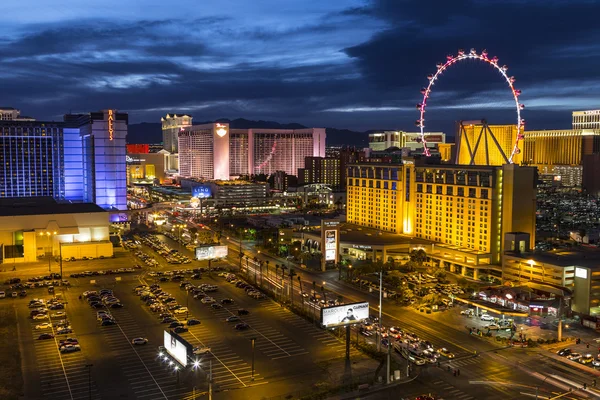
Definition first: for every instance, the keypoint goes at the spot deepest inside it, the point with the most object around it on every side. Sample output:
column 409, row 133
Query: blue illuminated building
column 80, row 160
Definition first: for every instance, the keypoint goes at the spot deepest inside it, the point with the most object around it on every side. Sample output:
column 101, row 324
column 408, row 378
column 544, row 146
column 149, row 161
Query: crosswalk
column 451, row 392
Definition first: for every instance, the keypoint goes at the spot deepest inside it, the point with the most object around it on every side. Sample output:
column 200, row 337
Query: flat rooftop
column 580, row 256
column 19, row 206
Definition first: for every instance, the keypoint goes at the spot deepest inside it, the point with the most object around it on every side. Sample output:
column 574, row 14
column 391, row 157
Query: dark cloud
column 372, row 57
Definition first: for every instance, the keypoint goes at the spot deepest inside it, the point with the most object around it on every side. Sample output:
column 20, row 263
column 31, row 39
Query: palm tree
column 255, row 263
column 291, row 274
column 283, row 269
column 267, row 262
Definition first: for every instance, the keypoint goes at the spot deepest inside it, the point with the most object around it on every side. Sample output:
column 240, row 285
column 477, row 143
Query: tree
column 418, row 256
column 291, row 274
column 205, row 237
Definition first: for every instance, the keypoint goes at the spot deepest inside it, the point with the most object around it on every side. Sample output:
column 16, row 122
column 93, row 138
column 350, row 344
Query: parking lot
column 101, row 360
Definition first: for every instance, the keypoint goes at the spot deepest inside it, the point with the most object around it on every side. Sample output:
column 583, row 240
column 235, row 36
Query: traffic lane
column 533, row 367
column 438, row 337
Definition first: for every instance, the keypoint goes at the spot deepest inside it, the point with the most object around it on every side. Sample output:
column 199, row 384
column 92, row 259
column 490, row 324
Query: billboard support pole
column 389, row 356
column 348, row 343
column 210, row 380
column 380, row 301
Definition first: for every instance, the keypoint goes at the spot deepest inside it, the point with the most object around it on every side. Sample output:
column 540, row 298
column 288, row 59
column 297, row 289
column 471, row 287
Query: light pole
column 179, row 226
column 380, row 305
column 253, row 340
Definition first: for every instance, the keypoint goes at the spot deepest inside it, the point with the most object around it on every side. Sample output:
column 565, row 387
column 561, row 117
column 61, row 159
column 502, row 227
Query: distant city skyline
column 352, row 64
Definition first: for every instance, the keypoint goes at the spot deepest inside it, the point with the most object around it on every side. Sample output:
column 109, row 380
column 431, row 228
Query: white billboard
column 345, row 314
column 175, row 348
column 330, row 244
column 581, row 273
column 210, row 252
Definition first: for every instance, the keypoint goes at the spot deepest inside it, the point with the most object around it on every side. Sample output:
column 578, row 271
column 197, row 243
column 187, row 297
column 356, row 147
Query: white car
column 69, row 348
column 207, row 300
column 139, row 341
column 40, row 316
column 182, row 310
column 59, row 314
column 201, row 350
column 487, row 317
column 44, row 325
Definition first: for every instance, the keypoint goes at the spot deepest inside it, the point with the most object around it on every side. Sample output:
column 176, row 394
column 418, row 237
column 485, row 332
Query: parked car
column 139, row 341
column 201, row 350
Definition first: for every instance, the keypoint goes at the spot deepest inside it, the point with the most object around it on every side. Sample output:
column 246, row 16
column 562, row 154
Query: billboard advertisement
column 201, row 191
column 176, row 348
column 345, row 314
column 210, row 252
column 330, row 244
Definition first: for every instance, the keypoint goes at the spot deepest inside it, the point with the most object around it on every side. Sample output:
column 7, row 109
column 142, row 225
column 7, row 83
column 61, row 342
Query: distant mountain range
column 151, row 132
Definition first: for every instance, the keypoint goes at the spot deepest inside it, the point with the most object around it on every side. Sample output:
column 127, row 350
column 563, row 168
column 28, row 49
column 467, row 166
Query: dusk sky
column 352, row 64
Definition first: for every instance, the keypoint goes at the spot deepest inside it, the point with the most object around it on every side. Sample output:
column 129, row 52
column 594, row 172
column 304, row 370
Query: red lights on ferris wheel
column 451, row 59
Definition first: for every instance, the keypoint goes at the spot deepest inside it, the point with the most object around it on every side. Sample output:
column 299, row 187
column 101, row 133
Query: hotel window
column 461, row 191
column 419, row 188
column 438, row 189
column 472, row 192
column 484, row 194
column 449, row 191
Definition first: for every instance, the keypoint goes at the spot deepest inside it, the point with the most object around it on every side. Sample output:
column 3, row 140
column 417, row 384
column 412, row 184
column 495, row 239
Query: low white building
column 35, row 228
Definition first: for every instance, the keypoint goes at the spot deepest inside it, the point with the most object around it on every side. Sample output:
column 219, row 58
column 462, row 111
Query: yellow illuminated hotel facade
column 465, row 208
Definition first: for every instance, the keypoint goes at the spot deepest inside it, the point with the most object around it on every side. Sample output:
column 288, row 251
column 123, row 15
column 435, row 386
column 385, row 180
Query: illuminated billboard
column 201, row 192
column 210, row 252
column 345, row 314
column 176, row 347
column 581, row 273
column 330, row 244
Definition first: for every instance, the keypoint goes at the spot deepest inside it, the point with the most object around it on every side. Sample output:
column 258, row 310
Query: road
column 483, row 371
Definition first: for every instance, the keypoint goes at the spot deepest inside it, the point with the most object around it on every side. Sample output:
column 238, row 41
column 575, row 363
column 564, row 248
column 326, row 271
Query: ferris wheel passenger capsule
column 520, row 137
column 517, row 92
column 494, row 60
column 512, row 79
column 439, row 65
column 522, row 122
column 419, row 106
column 419, row 122
column 430, row 76
column 473, row 52
column 522, row 106
column 461, row 52
column 484, row 53
column 505, row 68
column 423, row 90
column 517, row 151
column 449, row 57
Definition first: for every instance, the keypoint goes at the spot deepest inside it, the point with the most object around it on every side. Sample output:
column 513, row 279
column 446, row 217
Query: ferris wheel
column 472, row 55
